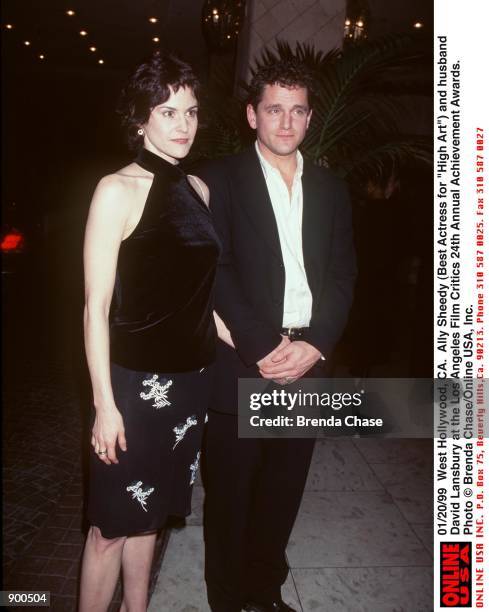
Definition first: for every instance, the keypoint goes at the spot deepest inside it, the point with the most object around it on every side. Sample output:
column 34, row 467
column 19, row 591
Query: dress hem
column 138, row 532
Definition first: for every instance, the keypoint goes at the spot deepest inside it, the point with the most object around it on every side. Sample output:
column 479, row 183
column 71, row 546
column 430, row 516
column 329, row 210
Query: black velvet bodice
column 161, row 314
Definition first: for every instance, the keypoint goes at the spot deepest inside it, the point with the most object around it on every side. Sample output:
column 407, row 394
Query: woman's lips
column 180, row 140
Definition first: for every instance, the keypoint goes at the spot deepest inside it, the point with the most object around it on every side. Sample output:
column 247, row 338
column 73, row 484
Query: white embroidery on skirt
column 140, row 494
column 181, row 430
column 158, row 391
column 193, row 468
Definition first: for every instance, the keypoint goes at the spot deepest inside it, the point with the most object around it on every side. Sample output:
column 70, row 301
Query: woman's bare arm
column 106, row 223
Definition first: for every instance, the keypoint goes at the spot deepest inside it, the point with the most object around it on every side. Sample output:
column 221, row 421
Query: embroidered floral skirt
column 164, row 417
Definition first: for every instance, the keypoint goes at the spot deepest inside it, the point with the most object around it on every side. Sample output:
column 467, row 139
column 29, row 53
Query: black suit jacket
column 250, row 282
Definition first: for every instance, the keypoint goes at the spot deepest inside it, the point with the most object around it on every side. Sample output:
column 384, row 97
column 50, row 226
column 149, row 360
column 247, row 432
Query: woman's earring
column 140, row 132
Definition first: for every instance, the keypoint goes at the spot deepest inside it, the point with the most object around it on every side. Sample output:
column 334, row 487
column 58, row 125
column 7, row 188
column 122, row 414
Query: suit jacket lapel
column 253, row 193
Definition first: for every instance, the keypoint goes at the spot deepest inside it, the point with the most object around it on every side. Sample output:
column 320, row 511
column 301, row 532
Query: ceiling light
column 93, row 49
column 41, row 57
column 359, row 24
column 153, row 20
column 27, row 43
column 70, row 13
column 83, row 32
column 101, row 61
column 9, row 26
column 347, row 22
column 155, row 39
column 418, row 24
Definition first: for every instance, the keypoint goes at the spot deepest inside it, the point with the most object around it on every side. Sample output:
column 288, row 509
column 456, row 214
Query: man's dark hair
column 287, row 73
column 148, row 87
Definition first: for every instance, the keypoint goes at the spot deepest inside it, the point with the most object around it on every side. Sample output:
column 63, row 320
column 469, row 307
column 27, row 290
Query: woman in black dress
column 150, row 257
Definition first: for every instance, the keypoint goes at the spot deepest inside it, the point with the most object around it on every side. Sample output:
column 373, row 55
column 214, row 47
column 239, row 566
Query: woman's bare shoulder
column 130, row 177
column 123, row 183
column 134, row 172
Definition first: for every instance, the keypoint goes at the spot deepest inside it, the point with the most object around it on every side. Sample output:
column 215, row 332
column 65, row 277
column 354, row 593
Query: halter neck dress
column 162, row 343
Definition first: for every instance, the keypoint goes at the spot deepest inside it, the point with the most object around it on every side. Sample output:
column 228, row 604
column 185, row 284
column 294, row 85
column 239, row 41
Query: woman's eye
column 168, row 113
column 193, row 113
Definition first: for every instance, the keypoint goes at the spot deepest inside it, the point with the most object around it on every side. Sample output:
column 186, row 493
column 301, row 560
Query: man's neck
column 285, row 164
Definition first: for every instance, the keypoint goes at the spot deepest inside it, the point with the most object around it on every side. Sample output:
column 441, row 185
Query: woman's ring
column 104, row 452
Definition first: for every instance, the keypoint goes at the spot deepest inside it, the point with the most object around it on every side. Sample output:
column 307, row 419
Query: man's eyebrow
column 301, row 106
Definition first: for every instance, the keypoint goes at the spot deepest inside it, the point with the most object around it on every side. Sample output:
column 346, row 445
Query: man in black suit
column 284, row 289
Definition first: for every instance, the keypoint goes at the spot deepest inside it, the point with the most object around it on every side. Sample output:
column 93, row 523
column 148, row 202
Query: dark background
column 59, row 125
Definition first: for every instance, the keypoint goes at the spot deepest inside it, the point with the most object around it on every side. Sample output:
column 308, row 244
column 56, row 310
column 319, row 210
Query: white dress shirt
column 288, row 215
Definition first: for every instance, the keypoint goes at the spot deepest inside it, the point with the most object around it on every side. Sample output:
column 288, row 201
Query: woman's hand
column 108, row 429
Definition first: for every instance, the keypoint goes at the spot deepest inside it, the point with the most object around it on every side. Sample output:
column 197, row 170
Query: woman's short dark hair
column 150, row 86
column 287, row 73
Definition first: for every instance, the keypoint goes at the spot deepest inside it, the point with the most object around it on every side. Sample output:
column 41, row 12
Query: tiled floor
column 362, row 540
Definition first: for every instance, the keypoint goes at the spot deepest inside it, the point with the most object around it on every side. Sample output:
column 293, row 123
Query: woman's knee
column 102, row 544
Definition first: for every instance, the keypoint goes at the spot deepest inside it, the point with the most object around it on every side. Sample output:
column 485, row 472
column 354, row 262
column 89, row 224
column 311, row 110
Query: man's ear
column 251, row 116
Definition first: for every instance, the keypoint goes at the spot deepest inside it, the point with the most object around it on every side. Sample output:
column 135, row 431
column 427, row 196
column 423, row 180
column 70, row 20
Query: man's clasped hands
column 288, row 361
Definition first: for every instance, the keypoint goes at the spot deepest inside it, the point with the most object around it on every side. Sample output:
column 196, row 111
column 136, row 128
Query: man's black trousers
column 253, row 489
